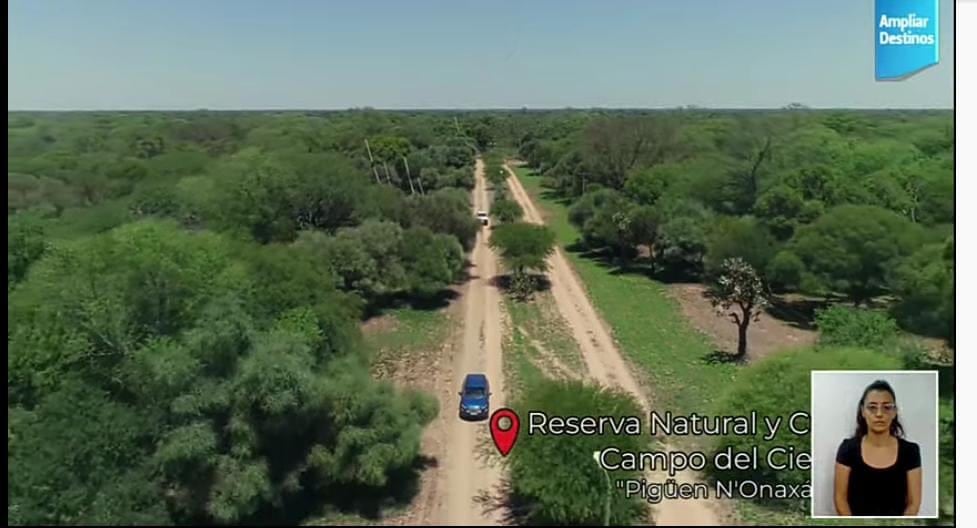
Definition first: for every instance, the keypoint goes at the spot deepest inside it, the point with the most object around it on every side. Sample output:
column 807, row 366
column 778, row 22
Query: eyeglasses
column 886, row 408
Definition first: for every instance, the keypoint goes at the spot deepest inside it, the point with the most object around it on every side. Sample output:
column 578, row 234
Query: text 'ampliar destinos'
column 905, row 25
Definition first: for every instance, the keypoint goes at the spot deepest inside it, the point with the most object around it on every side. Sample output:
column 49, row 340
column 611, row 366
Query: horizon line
column 485, row 109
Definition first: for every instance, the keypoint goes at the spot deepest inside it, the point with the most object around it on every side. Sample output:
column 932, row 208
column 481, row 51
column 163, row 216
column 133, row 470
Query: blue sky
column 324, row 54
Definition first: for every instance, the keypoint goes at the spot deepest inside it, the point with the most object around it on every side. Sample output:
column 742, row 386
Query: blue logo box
column 907, row 37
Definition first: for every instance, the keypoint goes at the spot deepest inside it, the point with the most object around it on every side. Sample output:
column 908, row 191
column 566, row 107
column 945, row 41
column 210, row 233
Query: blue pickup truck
column 474, row 394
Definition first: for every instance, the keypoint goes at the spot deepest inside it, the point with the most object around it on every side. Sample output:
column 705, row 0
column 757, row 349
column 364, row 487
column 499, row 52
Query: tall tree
column 739, row 293
column 853, row 249
column 614, row 145
column 523, row 248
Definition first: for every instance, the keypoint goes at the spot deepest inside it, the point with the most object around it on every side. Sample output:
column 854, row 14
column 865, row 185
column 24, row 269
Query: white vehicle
column 483, row 217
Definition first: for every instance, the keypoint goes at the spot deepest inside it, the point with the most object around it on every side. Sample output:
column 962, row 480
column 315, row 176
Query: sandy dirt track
column 604, row 361
column 463, row 474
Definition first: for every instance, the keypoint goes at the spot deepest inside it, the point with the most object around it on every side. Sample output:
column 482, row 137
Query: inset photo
column 874, row 444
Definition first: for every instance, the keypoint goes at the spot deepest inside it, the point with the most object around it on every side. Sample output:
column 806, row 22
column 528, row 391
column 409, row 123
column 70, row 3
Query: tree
column 815, row 182
column 614, row 145
column 813, row 145
column 742, row 238
column 156, row 200
column 647, row 185
column 77, row 458
column 780, row 209
column 784, row 271
column 523, row 248
column 603, row 219
column 923, row 284
column 752, row 144
column 592, row 204
column 382, row 202
column 506, row 210
column 482, row 134
column 158, row 376
column 932, row 183
column 326, row 191
column 496, row 174
column 682, row 237
column 739, row 287
column 25, row 244
column 366, row 258
column 432, row 261
column 445, row 211
column 253, row 195
column 555, row 479
column 48, row 196
column 272, row 197
column 389, row 151
column 644, row 222
column 846, row 326
column 853, row 249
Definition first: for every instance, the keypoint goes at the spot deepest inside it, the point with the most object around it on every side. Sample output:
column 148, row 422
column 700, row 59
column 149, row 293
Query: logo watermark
column 907, row 37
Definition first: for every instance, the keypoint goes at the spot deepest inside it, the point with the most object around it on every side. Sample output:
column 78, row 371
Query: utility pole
column 372, row 164
column 419, row 182
column 409, row 180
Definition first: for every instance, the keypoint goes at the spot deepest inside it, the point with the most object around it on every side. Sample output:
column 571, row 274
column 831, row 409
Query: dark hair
column 861, row 427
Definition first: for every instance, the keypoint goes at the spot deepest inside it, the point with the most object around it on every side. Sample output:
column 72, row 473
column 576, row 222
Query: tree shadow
column 635, row 265
column 720, row 357
column 552, row 195
column 428, row 302
column 798, row 313
column 502, row 501
column 369, row 502
column 436, row 301
column 541, row 282
column 676, row 275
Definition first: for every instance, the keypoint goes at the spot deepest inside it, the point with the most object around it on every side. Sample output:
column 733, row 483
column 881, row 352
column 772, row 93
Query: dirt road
column 462, row 474
column 604, row 362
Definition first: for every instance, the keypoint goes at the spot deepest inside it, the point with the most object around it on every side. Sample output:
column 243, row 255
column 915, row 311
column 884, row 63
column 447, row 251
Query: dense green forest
column 847, row 205
column 183, row 293
column 839, row 221
column 184, row 288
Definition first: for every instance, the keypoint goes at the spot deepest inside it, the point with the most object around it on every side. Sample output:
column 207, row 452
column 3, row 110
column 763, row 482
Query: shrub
column 844, row 326
column 785, row 270
column 743, row 238
column 506, row 210
column 556, row 477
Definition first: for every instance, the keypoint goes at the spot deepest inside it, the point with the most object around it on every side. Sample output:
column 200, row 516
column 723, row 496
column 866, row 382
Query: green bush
column 744, row 238
column 556, row 477
column 506, row 210
column 785, row 270
column 845, row 326
column 779, row 386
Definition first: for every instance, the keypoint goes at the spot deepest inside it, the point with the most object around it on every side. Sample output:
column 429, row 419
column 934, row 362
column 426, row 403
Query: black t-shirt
column 873, row 491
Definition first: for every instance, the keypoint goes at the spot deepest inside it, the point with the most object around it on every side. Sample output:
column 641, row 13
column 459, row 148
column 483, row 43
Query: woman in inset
column 877, row 472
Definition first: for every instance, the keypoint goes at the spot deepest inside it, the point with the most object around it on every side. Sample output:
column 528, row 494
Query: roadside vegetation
column 555, row 479
column 847, row 206
column 185, row 292
column 684, row 375
column 184, row 296
column 850, row 212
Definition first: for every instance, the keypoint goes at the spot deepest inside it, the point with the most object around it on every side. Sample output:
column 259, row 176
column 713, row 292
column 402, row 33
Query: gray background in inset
column 834, row 402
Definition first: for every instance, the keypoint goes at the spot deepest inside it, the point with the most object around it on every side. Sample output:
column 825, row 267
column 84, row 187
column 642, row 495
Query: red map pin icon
column 504, row 438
